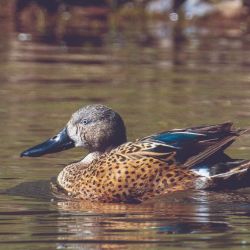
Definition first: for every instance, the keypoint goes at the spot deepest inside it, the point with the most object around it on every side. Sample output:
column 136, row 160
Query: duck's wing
column 197, row 144
column 143, row 150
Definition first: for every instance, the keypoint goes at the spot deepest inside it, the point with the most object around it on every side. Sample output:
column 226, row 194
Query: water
column 158, row 76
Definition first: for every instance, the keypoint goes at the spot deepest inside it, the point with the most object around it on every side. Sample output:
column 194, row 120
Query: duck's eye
column 84, row 121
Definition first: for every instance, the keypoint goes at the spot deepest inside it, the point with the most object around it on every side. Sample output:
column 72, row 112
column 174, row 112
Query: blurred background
column 161, row 64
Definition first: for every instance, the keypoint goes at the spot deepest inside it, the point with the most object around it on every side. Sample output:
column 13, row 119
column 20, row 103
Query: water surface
column 157, row 77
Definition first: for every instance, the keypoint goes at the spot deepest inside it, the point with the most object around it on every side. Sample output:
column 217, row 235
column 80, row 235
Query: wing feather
column 187, row 147
column 141, row 149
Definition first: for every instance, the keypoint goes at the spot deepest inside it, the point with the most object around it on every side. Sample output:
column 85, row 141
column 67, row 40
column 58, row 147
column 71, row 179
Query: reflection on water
column 157, row 75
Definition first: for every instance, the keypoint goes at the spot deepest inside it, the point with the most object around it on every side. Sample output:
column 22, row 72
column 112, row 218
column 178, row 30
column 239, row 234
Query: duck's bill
column 55, row 144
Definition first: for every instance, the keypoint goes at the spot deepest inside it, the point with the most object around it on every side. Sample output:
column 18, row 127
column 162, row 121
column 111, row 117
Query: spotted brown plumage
column 119, row 171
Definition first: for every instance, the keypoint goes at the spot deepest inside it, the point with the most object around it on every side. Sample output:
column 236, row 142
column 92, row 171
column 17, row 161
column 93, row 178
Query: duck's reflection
column 145, row 223
column 167, row 220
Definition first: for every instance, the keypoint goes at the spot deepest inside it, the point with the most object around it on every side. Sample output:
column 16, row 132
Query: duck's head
column 94, row 127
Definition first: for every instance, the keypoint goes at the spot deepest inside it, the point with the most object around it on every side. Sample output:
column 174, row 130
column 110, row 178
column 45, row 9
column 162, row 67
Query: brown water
column 157, row 77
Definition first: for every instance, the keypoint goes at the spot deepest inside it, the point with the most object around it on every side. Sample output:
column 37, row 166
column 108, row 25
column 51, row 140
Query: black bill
column 55, row 144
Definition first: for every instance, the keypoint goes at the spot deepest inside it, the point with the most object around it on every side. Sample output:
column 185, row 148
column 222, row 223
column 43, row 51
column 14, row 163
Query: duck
column 117, row 170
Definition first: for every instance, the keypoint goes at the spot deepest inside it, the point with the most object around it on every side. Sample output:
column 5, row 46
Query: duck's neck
column 90, row 157
column 94, row 155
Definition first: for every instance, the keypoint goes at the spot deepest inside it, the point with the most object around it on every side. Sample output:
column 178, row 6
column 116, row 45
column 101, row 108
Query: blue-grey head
column 94, row 127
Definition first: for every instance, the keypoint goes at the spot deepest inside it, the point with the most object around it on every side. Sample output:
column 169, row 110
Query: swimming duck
column 115, row 170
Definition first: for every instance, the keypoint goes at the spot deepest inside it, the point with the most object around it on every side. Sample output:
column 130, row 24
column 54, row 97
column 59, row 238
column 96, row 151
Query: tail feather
column 237, row 177
column 209, row 151
column 217, row 145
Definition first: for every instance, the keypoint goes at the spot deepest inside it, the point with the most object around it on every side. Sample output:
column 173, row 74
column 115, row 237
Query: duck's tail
column 237, row 177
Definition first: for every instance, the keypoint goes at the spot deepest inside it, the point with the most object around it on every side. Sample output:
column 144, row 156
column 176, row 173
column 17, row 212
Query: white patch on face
column 81, row 144
column 72, row 133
